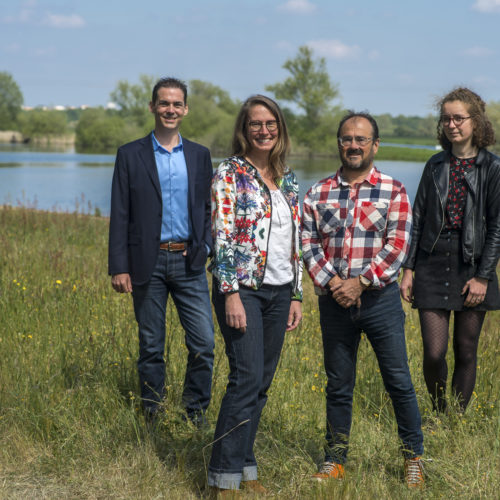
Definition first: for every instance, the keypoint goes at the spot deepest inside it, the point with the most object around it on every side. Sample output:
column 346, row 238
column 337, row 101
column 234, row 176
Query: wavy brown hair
column 241, row 146
column 482, row 130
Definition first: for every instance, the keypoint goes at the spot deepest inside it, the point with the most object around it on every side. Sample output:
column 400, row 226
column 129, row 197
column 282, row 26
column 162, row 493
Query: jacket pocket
column 134, row 239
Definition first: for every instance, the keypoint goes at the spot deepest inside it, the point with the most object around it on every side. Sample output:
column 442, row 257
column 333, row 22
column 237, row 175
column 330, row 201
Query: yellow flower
column 313, row 388
column 58, row 282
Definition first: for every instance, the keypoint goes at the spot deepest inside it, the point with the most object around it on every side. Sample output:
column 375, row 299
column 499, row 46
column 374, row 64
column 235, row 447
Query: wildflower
column 58, row 282
column 313, row 388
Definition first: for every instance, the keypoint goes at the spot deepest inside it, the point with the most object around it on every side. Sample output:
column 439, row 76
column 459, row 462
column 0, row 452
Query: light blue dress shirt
column 172, row 171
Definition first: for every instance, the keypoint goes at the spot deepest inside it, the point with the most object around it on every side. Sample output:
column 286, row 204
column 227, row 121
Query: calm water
column 67, row 181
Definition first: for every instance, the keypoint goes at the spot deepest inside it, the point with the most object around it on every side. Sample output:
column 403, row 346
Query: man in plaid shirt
column 356, row 234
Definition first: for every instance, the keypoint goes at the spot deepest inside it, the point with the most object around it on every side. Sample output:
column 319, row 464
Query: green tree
column 39, row 122
column 310, row 89
column 11, row 100
column 493, row 110
column 103, row 131
column 211, row 116
column 133, row 100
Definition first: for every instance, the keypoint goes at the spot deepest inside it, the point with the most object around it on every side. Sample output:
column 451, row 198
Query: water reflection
column 67, row 181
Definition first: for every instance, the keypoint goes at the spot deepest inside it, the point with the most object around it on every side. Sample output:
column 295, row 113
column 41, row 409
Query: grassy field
column 71, row 425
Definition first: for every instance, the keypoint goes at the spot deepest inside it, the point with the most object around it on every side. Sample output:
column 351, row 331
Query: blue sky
column 386, row 56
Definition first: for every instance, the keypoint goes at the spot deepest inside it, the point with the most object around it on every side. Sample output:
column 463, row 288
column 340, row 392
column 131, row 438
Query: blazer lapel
column 146, row 154
column 190, row 157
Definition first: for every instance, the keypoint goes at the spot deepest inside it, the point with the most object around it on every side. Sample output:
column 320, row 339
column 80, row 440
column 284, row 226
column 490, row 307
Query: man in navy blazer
column 159, row 240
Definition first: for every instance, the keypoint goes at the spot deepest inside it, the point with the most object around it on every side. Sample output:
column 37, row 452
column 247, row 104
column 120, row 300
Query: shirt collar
column 372, row 178
column 158, row 147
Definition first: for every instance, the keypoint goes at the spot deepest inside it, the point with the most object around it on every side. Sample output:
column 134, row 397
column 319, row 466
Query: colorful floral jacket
column 241, row 222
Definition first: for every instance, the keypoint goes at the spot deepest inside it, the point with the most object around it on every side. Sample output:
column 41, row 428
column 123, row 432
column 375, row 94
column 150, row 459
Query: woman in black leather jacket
column 455, row 244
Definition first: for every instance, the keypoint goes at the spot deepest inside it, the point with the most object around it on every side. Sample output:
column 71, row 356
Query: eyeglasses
column 347, row 140
column 457, row 119
column 271, row 125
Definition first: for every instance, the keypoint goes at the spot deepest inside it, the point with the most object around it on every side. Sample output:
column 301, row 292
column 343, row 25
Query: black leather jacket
column 481, row 223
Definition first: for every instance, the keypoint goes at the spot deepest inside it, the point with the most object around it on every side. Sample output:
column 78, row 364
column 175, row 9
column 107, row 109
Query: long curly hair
column 482, row 134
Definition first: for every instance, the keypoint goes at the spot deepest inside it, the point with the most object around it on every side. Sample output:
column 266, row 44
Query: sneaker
column 414, row 472
column 329, row 470
column 254, row 486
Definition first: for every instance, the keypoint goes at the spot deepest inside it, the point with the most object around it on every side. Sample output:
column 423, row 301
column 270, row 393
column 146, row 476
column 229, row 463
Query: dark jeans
column 381, row 317
column 253, row 357
column 191, row 297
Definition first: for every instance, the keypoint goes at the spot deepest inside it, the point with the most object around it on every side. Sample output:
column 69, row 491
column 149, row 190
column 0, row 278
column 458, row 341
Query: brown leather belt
column 174, row 246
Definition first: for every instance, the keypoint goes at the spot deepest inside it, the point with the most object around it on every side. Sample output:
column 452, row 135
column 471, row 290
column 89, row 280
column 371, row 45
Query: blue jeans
column 382, row 318
column 253, row 357
column 192, row 300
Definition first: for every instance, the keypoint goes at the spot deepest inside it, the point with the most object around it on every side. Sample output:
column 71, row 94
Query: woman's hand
column 477, row 291
column 406, row 286
column 294, row 316
column 235, row 312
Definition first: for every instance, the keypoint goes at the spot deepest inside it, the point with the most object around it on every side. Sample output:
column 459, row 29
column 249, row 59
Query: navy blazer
column 136, row 209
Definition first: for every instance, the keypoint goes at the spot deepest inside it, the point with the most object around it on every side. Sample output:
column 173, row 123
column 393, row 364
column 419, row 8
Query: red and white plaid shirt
column 364, row 229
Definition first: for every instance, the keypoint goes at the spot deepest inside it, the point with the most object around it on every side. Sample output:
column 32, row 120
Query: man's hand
column 294, row 316
column 406, row 286
column 347, row 292
column 235, row 312
column 121, row 283
column 477, row 291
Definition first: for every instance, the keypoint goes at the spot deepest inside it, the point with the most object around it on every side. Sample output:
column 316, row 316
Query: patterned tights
column 434, row 324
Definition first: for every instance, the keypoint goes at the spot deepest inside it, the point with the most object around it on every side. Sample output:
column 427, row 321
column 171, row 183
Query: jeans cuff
column 249, row 473
column 224, row 480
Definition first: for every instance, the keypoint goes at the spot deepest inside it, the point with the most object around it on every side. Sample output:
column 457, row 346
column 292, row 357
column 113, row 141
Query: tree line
column 309, row 99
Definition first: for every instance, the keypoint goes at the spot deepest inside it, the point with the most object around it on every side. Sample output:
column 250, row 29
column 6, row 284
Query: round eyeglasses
column 457, row 119
column 271, row 125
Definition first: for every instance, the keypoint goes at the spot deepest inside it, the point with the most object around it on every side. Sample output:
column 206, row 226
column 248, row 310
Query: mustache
column 352, row 151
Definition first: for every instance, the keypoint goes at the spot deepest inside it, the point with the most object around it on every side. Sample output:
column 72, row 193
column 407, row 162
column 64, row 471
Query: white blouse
column 279, row 269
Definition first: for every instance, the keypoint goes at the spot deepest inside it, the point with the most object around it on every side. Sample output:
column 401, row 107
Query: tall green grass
column 70, row 419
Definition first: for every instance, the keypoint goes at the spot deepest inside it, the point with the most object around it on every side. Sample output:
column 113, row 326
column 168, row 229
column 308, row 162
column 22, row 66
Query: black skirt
column 441, row 276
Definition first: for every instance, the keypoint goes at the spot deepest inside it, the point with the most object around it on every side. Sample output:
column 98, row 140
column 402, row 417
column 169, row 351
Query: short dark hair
column 170, row 83
column 360, row 114
column 241, row 146
column 482, row 131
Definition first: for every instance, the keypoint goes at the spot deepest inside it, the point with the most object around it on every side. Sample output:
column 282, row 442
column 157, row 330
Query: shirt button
column 448, row 269
column 445, row 297
column 447, row 254
column 446, row 284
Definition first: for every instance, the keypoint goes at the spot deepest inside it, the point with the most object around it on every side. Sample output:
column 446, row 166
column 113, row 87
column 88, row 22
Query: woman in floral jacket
column 257, row 271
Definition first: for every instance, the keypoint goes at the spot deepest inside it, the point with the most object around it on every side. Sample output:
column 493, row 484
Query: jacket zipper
column 442, row 212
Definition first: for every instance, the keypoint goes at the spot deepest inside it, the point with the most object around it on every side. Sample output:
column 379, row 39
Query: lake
column 67, row 181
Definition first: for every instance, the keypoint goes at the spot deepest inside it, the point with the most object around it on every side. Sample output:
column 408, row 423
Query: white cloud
column 284, row 45
column 484, row 80
column 298, row 6
column 12, row 48
column 487, row 5
column 334, row 49
column 62, row 21
column 478, row 52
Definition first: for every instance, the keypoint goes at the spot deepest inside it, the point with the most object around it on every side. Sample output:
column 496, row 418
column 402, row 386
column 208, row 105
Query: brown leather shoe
column 254, row 486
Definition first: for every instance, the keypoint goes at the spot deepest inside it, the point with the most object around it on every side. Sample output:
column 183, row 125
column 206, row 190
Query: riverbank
column 70, row 420
column 386, row 152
